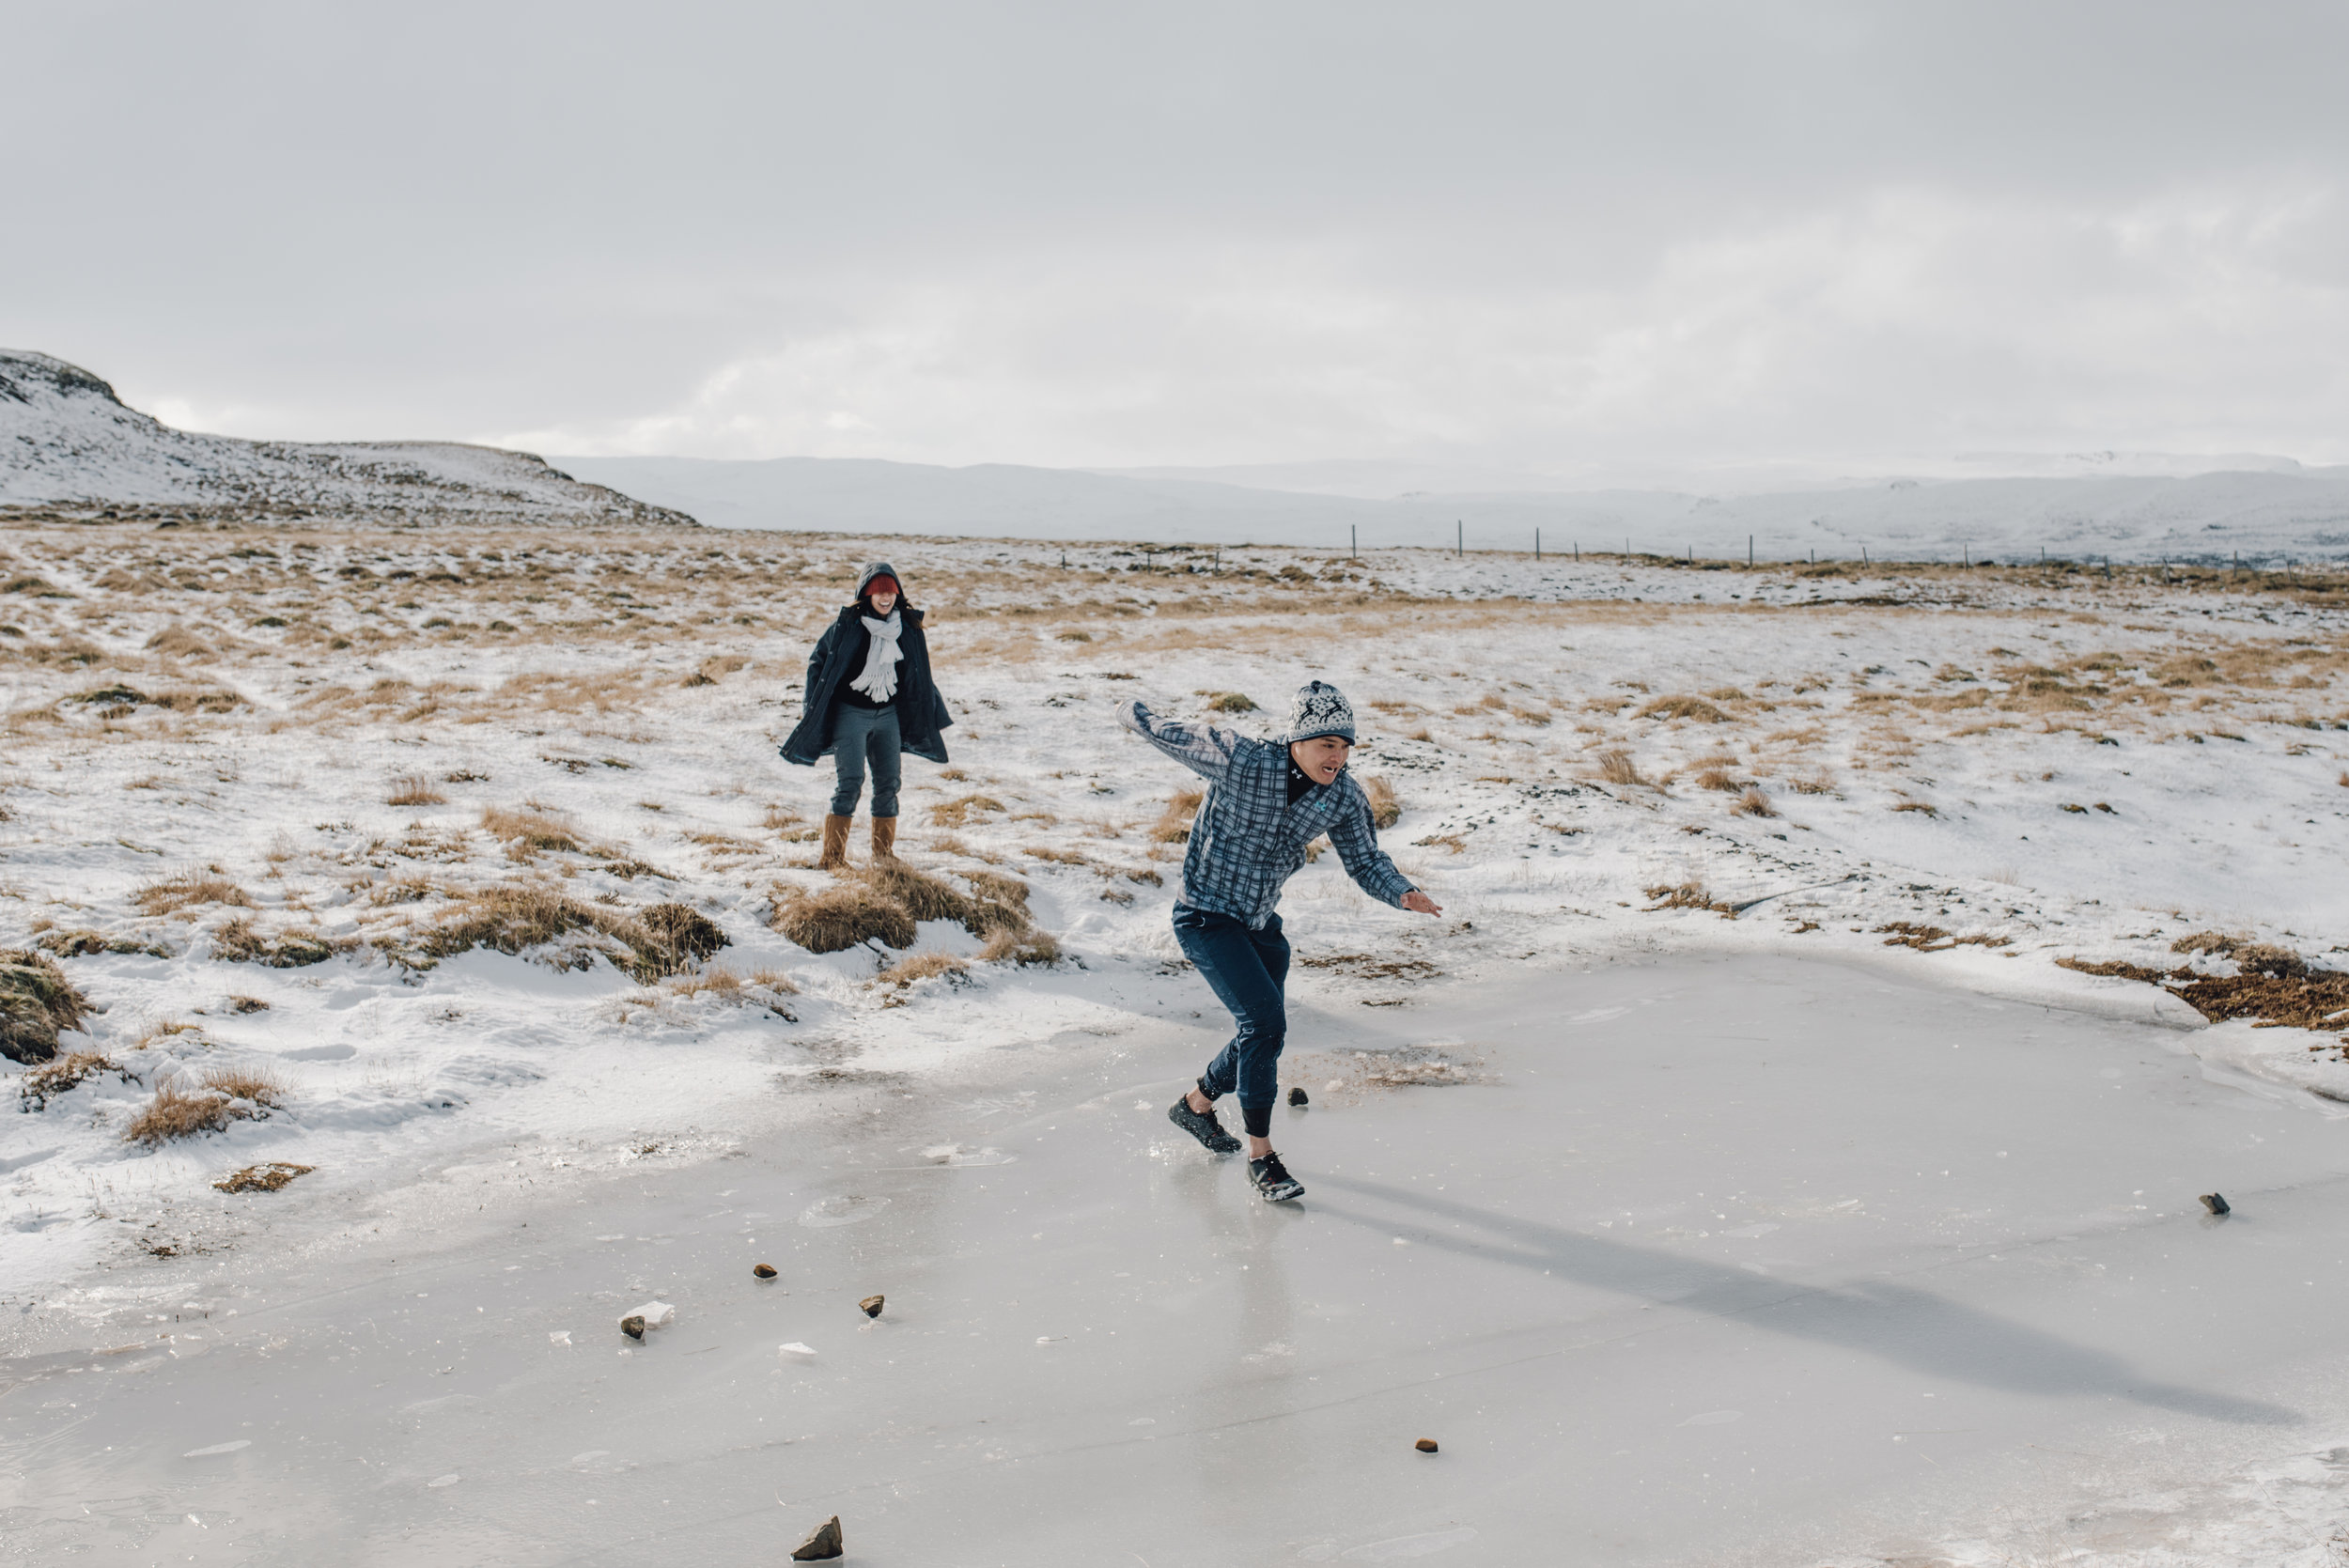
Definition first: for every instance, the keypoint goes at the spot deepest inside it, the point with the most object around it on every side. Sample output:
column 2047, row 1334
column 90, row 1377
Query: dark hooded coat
column 922, row 716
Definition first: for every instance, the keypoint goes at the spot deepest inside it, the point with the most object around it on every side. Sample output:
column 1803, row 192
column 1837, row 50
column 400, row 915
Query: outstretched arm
column 1207, row 753
column 1356, row 840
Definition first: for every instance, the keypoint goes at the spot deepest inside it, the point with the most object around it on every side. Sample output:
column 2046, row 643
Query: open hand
column 1419, row 903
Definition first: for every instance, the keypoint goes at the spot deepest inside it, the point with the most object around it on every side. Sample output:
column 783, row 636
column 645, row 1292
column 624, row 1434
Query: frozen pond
column 1712, row 1262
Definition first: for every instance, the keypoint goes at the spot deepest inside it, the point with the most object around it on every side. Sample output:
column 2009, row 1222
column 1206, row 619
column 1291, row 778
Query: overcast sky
column 1547, row 235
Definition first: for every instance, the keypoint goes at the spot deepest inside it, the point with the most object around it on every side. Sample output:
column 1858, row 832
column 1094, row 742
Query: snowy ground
column 161, row 724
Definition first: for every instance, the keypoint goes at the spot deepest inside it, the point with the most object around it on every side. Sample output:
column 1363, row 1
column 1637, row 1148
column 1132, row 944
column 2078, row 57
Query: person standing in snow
column 869, row 699
column 1266, row 802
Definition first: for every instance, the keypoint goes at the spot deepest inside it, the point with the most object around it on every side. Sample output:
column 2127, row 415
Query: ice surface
column 1730, row 1260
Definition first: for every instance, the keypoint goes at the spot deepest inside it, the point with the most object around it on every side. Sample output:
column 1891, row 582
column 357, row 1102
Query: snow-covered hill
column 2278, row 512
column 68, row 444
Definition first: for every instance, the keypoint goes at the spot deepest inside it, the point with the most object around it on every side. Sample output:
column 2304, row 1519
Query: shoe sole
column 1290, row 1197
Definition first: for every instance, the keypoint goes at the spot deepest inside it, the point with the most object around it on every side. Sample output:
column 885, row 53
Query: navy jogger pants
column 1246, row 971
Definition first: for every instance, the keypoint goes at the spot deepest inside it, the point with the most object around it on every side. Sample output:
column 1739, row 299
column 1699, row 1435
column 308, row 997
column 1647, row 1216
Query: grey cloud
column 1217, row 232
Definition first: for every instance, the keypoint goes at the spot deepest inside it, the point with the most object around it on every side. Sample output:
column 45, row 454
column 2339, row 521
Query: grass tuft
column 174, row 1114
column 1682, row 708
column 270, row 1176
column 958, row 812
column 36, row 1002
column 1027, row 950
column 1385, row 810
column 844, row 917
column 189, row 889
column 1616, row 768
column 413, row 789
column 41, row 1085
column 1174, row 824
column 528, row 830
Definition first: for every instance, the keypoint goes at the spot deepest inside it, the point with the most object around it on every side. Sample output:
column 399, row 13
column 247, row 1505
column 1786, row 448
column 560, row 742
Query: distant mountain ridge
column 69, row 447
column 2275, row 513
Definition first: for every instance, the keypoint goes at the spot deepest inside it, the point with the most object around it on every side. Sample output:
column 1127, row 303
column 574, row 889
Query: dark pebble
column 822, row 1542
column 633, row 1326
column 764, row 1270
column 1297, row 1094
column 873, row 1304
column 2216, row 1205
column 1426, row 1445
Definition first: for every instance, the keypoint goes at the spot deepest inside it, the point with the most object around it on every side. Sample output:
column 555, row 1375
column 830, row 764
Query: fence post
column 1459, row 541
column 1749, row 551
column 1538, row 544
column 1353, row 541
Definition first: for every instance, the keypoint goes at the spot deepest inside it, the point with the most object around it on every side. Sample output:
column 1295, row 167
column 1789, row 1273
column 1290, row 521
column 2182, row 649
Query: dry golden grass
column 1174, row 823
column 242, row 941
column 1813, row 783
column 1681, row 707
column 775, row 981
column 1722, row 779
column 716, row 981
column 1616, row 768
column 413, row 789
column 190, row 890
column 959, row 812
column 269, row 1176
column 174, row 1114
column 1385, row 810
column 923, row 965
column 177, row 642
column 258, row 1084
column 841, row 918
column 1926, row 807
column 1230, row 702
column 36, row 1002
column 41, row 1084
column 529, row 830
column 1687, row 895
column 1753, row 803
column 1008, row 891
column 1025, row 949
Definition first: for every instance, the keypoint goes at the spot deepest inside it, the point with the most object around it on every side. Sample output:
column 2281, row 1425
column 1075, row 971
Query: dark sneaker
column 1273, row 1179
column 1205, row 1129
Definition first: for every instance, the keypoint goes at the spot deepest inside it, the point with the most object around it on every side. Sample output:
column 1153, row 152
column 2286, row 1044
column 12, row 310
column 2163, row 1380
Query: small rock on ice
column 1297, row 1094
column 763, row 1270
column 872, row 1305
column 822, row 1542
column 2216, row 1205
column 633, row 1326
column 1426, row 1445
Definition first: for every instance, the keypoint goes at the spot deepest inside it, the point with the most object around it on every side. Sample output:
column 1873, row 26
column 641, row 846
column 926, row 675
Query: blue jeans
column 859, row 732
column 1246, row 969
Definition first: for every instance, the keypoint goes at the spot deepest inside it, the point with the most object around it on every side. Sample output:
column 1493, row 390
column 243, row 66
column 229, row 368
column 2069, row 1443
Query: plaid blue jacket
column 1247, row 840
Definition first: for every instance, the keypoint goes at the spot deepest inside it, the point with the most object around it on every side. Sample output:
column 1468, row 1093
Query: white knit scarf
column 879, row 679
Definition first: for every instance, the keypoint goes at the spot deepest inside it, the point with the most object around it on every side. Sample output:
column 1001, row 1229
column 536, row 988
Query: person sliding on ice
column 1266, row 801
column 869, row 695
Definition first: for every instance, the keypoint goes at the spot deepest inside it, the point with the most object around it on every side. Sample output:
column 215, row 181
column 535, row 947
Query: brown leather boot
column 884, row 838
column 835, row 855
